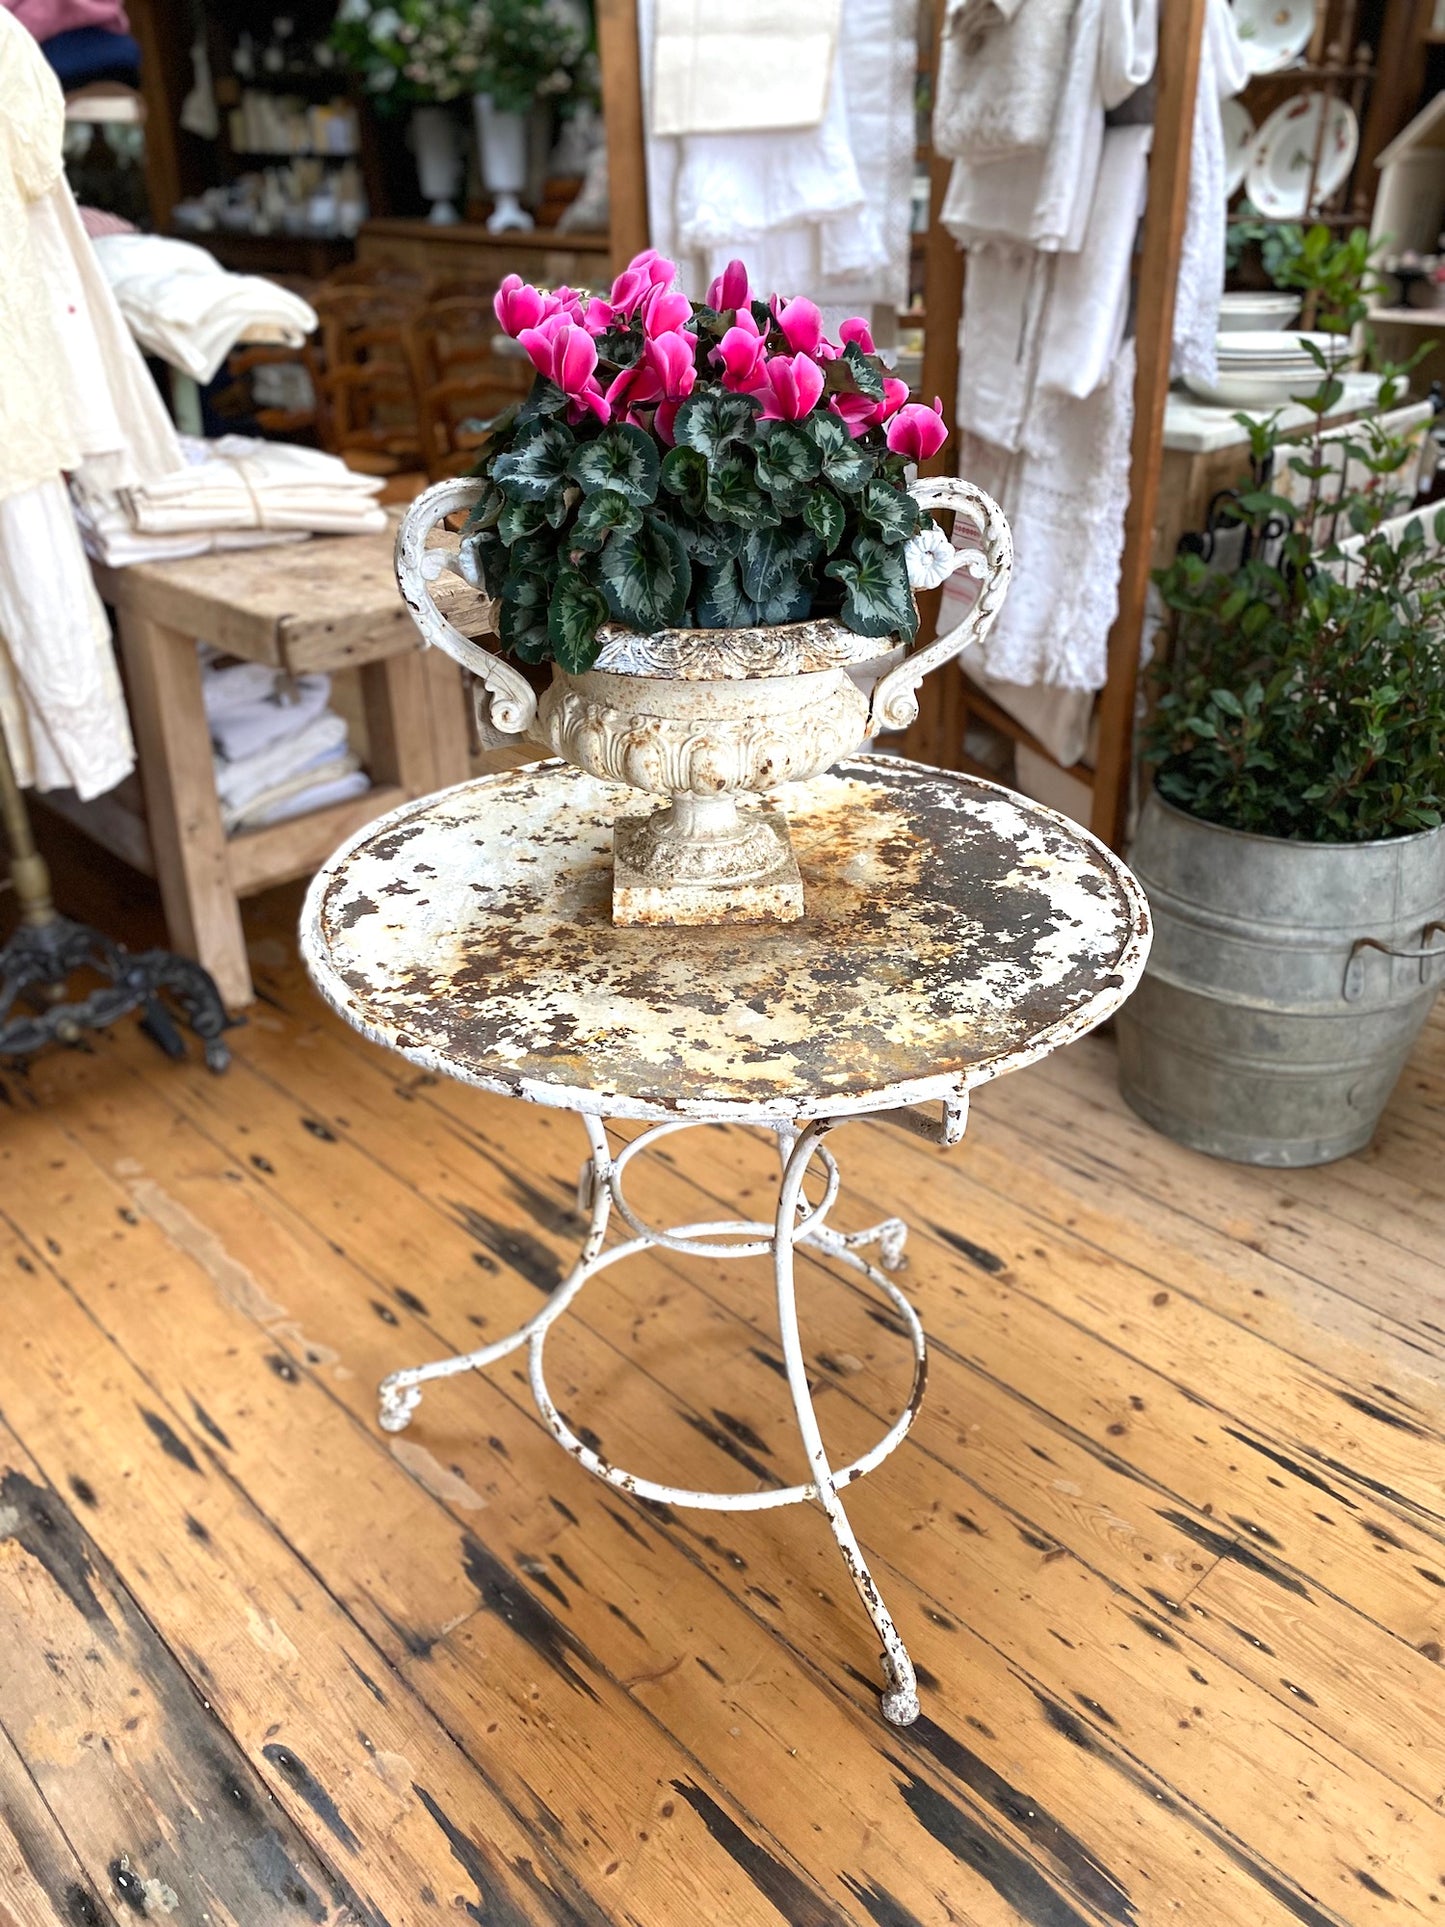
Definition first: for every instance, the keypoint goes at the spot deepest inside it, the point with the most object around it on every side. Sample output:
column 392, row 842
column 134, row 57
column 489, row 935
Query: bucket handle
column 1425, row 957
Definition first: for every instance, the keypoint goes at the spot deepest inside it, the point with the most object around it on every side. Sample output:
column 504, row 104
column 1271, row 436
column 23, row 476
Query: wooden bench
column 328, row 604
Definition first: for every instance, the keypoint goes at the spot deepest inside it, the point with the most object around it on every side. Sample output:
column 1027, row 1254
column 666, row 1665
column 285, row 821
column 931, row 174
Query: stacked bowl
column 1268, row 368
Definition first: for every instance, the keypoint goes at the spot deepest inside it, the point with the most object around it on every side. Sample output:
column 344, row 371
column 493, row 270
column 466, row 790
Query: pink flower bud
column 730, row 290
column 857, row 329
column 791, row 387
column 917, row 430
column 741, row 354
column 642, row 274
column 670, row 358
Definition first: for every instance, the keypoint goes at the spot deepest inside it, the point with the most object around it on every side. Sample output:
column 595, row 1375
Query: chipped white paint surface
column 953, row 931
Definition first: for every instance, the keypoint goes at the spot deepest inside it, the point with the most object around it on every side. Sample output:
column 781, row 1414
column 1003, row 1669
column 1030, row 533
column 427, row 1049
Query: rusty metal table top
column 954, row 930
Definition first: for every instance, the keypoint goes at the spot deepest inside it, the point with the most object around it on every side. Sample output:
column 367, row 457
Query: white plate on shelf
column 1239, row 138
column 1279, row 174
column 1272, row 33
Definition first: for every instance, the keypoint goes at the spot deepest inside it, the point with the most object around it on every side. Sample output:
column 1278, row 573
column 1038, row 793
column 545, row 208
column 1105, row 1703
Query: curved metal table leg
column 796, row 1222
column 900, row 1698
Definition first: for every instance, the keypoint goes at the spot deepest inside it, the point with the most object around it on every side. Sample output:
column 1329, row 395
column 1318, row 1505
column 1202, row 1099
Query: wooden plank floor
column 1168, row 1542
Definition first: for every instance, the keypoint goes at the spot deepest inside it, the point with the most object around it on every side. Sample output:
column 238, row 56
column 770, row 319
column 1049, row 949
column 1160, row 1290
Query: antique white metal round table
column 953, row 931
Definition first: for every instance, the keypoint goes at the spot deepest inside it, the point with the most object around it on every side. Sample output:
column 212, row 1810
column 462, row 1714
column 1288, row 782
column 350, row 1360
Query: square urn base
column 649, row 884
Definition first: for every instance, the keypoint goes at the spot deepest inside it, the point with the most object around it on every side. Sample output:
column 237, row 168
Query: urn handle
column 895, row 704
column 512, row 704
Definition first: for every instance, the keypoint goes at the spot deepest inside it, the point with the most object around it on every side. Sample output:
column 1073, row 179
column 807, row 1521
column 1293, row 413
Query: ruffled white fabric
column 61, row 704
column 184, row 307
column 825, row 211
column 1222, row 73
column 1064, row 492
column 1001, row 65
column 1043, row 198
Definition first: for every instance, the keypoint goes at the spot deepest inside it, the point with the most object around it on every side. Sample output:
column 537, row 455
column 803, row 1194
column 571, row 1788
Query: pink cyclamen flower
column 741, row 354
column 664, row 378
column 730, row 289
column 790, row 388
column 567, row 355
column 643, row 274
column 856, row 329
column 802, row 324
column 917, row 430
column 664, row 313
column 861, row 414
column 518, row 305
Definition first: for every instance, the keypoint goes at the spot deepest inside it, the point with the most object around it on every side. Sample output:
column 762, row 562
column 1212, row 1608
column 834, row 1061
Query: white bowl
column 1256, row 390
column 1256, row 313
column 1270, row 346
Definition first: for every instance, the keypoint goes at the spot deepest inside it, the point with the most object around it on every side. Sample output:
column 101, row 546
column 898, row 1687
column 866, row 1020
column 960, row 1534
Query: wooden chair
column 463, row 372
column 367, row 410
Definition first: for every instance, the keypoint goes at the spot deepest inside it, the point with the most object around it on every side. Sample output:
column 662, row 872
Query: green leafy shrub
column 1304, row 693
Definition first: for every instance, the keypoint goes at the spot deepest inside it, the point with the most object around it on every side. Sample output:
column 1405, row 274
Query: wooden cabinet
column 468, row 251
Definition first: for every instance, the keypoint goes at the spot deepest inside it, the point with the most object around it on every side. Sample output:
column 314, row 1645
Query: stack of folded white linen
column 280, row 749
column 184, row 307
column 237, row 492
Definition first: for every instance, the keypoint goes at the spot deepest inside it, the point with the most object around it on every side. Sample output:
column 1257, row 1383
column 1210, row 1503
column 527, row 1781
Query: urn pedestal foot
column 702, row 860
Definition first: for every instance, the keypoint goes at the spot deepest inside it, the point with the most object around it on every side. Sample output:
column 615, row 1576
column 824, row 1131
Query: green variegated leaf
column 646, row 576
column 771, row 559
column 577, row 611
column 787, row 460
column 877, row 599
column 600, row 515
column 536, row 462
column 543, row 398
column 485, row 510
column 483, row 559
column 734, row 495
column 825, row 516
column 845, row 464
column 721, row 603
column 866, row 370
column 708, row 543
column 684, row 474
column 890, row 513
column 523, row 621
column 709, row 422
column 519, row 520
column 622, row 458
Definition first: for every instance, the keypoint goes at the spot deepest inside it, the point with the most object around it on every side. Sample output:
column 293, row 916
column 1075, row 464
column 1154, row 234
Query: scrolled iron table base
column 796, row 1223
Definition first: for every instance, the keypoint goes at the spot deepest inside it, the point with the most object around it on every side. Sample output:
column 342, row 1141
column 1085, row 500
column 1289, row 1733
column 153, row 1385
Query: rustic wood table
column 328, row 604
column 954, row 931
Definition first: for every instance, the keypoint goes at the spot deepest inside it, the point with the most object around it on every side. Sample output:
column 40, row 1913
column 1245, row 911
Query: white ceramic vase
column 435, row 142
column 705, row 717
column 502, row 144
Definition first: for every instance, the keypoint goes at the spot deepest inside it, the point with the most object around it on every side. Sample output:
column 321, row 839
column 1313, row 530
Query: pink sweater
column 44, row 18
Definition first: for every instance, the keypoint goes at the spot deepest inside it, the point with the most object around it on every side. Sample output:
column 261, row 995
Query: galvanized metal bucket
column 1287, row 984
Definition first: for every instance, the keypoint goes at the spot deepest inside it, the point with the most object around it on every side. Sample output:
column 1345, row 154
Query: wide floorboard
column 1168, row 1541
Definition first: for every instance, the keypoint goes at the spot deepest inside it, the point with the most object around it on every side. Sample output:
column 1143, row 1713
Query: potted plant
column 702, row 517
column 1292, row 847
column 525, row 53
column 416, row 54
